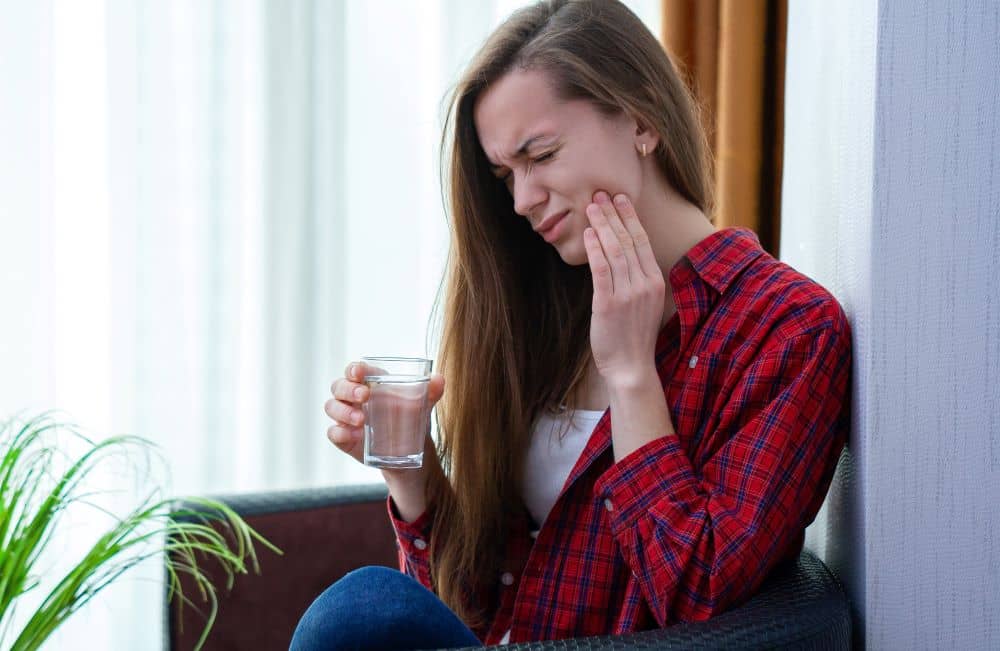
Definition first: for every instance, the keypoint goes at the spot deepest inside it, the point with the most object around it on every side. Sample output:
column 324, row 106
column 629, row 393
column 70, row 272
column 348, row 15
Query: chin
column 573, row 253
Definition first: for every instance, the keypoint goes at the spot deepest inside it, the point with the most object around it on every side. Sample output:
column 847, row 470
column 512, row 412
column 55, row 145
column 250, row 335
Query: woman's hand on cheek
column 628, row 291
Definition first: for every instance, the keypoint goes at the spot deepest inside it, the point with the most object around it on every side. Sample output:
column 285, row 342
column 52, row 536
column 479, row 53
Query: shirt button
column 507, row 578
column 420, row 544
column 608, row 505
column 693, row 362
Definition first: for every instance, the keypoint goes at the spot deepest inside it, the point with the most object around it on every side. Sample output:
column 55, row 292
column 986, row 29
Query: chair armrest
column 323, row 534
column 326, row 533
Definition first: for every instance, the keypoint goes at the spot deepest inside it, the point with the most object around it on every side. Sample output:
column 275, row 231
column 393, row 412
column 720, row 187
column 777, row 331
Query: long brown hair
column 516, row 326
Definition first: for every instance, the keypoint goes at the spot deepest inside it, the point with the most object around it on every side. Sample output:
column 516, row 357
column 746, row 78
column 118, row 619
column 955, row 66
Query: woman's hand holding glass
column 628, row 291
column 345, row 408
column 347, row 432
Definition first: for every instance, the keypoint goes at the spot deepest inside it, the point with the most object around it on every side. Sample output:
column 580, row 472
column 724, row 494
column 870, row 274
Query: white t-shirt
column 551, row 458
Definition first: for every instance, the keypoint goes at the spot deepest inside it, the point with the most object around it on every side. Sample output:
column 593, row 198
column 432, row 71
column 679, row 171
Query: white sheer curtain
column 206, row 210
column 828, row 192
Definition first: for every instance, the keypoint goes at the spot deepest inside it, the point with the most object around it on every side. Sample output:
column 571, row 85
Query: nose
column 528, row 195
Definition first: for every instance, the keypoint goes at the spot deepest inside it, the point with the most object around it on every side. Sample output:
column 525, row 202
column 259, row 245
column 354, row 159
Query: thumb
column 435, row 388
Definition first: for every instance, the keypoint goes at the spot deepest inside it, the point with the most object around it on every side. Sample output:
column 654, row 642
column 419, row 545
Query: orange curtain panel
column 733, row 55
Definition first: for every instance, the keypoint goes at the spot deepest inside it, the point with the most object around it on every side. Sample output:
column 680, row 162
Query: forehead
column 519, row 105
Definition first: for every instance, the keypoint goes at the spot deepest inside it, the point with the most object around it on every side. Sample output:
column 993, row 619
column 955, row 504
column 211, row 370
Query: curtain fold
column 732, row 53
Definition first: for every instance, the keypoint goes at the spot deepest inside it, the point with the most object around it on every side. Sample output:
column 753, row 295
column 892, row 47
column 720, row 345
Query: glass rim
column 398, row 379
column 395, row 358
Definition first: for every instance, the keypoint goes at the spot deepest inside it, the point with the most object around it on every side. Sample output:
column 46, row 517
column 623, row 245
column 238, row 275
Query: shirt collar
column 719, row 258
column 716, row 262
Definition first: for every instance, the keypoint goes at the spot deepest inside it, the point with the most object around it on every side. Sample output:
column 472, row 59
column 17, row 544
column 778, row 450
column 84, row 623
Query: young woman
column 642, row 414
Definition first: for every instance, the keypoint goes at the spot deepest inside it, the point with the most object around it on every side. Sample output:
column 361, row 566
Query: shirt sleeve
column 413, row 543
column 699, row 542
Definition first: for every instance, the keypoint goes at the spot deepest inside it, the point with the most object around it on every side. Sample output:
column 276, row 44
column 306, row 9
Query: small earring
column 643, row 150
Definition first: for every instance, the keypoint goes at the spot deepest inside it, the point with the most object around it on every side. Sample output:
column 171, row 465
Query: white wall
column 892, row 200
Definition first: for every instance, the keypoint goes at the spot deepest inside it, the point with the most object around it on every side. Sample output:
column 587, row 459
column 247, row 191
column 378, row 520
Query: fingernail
column 352, row 372
column 621, row 199
column 602, row 196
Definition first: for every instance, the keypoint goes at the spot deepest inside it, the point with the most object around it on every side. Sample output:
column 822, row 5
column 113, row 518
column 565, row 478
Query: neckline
column 584, row 412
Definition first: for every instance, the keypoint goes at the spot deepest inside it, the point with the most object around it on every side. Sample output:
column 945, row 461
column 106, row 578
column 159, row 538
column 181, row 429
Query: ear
column 645, row 135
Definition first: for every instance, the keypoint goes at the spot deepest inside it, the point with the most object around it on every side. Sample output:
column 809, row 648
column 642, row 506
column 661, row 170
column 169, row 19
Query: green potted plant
column 39, row 483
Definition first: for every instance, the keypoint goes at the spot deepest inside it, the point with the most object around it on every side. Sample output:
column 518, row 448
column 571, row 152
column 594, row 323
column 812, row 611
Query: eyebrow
column 521, row 151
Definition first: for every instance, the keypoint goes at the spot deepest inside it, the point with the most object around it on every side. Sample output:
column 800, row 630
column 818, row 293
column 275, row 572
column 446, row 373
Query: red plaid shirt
column 755, row 368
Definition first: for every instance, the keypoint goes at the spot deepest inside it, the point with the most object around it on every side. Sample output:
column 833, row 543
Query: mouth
column 550, row 221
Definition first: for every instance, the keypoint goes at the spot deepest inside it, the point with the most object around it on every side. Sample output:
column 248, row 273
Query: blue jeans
column 379, row 608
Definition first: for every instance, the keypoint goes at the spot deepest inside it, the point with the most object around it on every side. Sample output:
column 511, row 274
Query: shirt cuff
column 413, row 536
column 655, row 481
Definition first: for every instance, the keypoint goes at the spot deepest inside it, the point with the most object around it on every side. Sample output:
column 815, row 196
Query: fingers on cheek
column 596, row 215
column 591, row 242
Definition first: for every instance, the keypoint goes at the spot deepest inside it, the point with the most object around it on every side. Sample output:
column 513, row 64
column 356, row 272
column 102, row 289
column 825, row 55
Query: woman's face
column 554, row 155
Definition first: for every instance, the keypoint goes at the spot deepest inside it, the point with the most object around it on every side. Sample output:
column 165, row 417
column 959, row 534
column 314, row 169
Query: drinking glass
column 397, row 413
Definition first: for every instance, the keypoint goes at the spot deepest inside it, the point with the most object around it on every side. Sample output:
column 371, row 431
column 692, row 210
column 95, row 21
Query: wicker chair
column 327, row 533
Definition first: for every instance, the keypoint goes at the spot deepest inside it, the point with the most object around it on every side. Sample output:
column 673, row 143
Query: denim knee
column 326, row 624
column 378, row 608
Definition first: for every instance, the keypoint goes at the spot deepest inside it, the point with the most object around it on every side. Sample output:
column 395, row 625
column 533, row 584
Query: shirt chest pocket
column 696, row 399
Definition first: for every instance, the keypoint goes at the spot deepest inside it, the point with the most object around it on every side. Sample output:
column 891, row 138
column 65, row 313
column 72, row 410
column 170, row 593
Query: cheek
column 612, row 170
column 623, row 174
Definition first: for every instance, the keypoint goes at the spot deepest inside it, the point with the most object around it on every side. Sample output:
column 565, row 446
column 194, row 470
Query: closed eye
column 544, row 158
column 547, row 156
